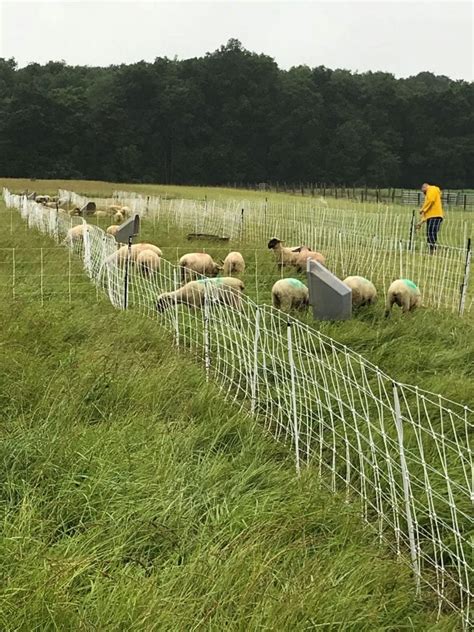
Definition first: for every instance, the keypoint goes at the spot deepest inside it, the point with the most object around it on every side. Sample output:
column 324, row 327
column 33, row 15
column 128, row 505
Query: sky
column 401, row 37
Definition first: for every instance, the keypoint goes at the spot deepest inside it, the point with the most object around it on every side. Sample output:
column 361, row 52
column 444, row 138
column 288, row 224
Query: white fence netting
column 402, row 452
column 381, row 246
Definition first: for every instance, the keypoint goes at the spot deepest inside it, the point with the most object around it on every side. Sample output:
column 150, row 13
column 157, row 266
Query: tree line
column 234, row 116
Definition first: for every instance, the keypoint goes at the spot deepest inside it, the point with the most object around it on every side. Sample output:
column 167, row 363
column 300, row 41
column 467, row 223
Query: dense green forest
column 234, row 116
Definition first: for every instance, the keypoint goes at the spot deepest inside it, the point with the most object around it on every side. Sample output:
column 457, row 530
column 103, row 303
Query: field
column 431, row 348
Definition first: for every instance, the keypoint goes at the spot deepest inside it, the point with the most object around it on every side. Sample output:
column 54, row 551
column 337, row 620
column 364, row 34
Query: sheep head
column 273, row 243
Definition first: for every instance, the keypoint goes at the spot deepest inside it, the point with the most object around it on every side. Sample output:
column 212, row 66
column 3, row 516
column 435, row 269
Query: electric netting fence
column 401, row 452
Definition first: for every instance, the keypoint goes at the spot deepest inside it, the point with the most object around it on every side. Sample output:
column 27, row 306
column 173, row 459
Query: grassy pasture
column 135, row 497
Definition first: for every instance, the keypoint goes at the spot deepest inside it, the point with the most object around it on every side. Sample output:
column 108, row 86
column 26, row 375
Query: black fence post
column 412, row 230
column 465, row 281
column 127, row 273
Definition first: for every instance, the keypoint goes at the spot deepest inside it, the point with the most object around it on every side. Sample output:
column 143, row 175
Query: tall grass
column 134, row 497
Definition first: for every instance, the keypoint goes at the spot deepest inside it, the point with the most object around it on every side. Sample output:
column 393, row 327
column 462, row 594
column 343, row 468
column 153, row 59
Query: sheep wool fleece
column 410, row 284
column 296, row 283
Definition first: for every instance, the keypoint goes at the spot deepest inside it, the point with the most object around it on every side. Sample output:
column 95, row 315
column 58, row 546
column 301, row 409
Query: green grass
column 135, row 497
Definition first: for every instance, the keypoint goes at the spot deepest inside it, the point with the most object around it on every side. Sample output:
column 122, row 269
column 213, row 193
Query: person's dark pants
column 432, row 229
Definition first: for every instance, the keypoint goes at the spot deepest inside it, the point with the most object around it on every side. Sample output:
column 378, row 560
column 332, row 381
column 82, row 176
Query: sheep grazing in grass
column 42, row 199
column 284, row 256
column 234, row 264
column 290, row 294
column 76, row 233
column 363, row 290
column 148, row 262
column 112, row 230
column 296, row 256
column 114, row 208
column 301, row 258
column 118, row 217
column 224, row 290
column 125, row 210
column 403, row 293
column 120, row 256
column 198, row 263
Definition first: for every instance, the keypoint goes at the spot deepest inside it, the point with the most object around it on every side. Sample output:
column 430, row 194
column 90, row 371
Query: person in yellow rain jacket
column 432, row 213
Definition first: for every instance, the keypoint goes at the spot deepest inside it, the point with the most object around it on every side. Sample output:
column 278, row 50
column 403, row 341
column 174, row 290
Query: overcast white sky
column 401, row 37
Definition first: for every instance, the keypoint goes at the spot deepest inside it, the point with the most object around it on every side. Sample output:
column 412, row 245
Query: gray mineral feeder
column 87, row 209
column 329, row 297
column 128, row 230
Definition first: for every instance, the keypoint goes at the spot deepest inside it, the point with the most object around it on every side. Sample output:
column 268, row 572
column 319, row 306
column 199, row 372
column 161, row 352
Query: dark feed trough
column 207, row 237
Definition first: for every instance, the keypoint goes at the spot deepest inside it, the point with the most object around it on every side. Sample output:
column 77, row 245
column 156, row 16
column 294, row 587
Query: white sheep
column 113, row 208
column 112, row 230
column 405, row 294
column 284, row 256
column 120, row 256
column 363, row 290
column 197, row 263
column 301, row 258
column 234, row 264
column 118, row 217
column 224, row 290
column 148, row 262
column 295, row 256
column 76, row 233
column 125, row 210
column 290, row 294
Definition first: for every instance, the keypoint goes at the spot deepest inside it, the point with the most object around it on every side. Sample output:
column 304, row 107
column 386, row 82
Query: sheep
column 296, row 256
column 224, row 290
column 284, row 256
column 125, row 210
column 197, row 262
column 113, row 208
column 76, row 233
column 234, row 264
column 101, row 214
column 290, row 294
column 112, row 230
column 42, row 199
column 148, row 262
column 363, row 290
column 301, row 258
column 118, row 217
column 405, row 294
column 120, row 256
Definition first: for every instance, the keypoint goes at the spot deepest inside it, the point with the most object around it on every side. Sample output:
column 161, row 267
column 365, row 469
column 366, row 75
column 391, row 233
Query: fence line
column 403, row 452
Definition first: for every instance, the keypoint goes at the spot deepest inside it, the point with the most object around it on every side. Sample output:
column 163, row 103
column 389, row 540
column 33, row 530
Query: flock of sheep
column 287, row 293
column 293, row 294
